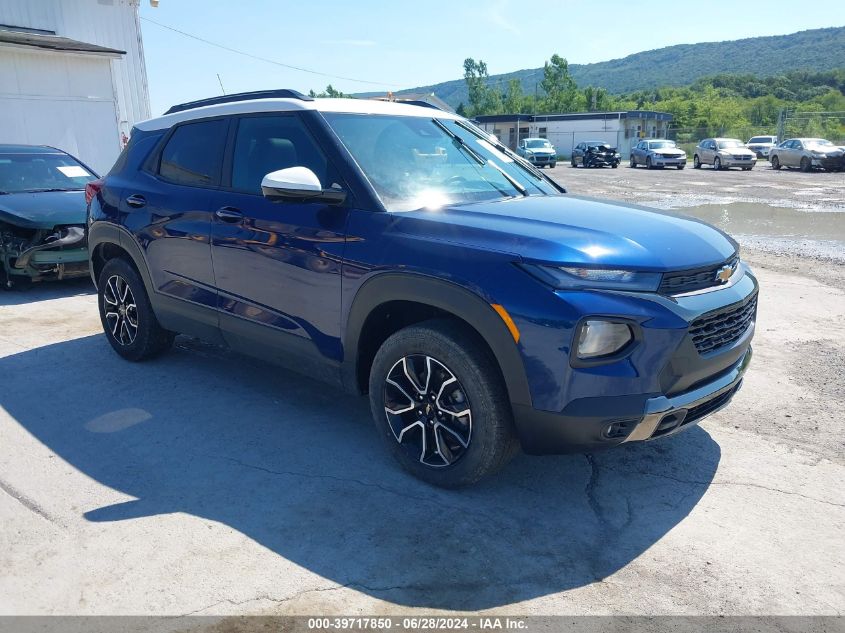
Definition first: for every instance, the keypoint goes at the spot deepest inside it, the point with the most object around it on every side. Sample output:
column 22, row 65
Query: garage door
column 60, row 99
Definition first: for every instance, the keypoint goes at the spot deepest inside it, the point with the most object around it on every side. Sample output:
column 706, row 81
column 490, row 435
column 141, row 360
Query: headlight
column 572, row 277
column 598, row 338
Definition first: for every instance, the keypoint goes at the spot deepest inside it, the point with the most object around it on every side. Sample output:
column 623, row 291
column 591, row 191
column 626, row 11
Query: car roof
column 725, row 139
column 29, row 149
column 597, row 142
column 535, row 138
column 351, row 106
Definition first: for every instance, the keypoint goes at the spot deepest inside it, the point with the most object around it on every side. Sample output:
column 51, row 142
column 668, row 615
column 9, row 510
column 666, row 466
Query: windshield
column 415, row 162
column 661, row 144
column 39, row 172
column 730, row 143
column 538, row 143
column 762, row 139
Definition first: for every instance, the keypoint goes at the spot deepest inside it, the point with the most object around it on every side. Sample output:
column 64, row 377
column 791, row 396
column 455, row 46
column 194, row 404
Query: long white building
column 565, row 131
column 72, row 75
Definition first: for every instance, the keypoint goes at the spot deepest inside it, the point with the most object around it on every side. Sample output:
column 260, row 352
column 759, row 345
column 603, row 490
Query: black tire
column 648, row 163
column 633, row 162
column 572, row 162
column 775, row 162
column 121, row 295
column 552, row 165
column 805, row 164
column 696, row 162
column 681, row 166
column 615, row 165
column 717, row 164
column 488, row 427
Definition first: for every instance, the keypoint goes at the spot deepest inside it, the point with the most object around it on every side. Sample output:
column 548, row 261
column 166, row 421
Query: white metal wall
column 59, row 99
column 110, row 23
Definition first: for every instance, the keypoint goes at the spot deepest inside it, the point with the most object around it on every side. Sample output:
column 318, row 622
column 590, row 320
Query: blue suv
column 400, row 251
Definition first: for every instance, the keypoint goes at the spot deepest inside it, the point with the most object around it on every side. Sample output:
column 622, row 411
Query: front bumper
column 659, row 161
column 738, row 162
column 670, row 379
column 48, row 264
column 542, row 159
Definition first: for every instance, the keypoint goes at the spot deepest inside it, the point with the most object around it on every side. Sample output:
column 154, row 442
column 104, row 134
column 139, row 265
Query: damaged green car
column 42, row 215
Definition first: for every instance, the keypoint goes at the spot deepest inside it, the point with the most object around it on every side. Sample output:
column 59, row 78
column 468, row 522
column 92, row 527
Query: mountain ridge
column 677, row 65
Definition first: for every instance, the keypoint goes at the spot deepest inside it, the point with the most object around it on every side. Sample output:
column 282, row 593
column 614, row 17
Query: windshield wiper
column 519, row 160
column 462, row 144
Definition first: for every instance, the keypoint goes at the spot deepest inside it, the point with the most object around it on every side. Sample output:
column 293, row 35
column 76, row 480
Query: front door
column 277, row 265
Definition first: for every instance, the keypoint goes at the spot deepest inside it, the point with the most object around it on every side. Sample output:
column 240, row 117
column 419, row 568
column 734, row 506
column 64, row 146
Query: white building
column 72, row 75
column 565, row 131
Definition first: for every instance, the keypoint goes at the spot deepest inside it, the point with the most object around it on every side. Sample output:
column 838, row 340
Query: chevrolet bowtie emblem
column 724, row 273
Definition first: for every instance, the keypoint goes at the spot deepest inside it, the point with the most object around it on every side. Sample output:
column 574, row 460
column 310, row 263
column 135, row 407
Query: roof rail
column 419, row 103
column 282, row 93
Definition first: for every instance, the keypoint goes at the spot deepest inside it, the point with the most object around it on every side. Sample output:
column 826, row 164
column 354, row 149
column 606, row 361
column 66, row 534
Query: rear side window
column 194, row 153
column 264, row 144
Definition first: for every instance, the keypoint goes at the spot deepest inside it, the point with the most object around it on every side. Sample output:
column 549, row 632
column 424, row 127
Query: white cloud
column 501, row 17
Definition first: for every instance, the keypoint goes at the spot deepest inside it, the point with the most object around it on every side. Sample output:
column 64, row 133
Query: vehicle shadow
column 297, row 467
column 45, row 290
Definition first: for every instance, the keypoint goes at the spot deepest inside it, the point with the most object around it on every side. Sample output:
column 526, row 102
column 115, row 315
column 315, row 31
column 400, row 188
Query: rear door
column 277, row 264
column 167, row 209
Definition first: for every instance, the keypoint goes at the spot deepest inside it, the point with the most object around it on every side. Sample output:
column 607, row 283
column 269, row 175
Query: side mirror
column 298, row 183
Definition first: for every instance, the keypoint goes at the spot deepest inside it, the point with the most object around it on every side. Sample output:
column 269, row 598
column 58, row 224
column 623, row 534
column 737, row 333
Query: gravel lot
column 207, row 483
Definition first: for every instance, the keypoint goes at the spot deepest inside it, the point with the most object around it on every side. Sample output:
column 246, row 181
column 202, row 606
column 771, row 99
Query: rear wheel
column 439, row 403
column 632, row 162
column 805, row 164
column 775, row 162
column 696, row 163
column 128, row 319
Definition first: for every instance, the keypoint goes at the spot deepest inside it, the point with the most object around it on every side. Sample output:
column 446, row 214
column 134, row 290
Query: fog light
column 602, row 338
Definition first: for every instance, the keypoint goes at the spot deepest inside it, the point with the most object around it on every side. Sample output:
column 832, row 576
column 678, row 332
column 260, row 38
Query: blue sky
column 405, row 44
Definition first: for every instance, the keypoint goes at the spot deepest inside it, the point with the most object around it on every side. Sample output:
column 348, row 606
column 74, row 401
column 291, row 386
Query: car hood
column 736, row 150
column 540, row 150
column 43, row 209
column 576, row 230
column 669, row 151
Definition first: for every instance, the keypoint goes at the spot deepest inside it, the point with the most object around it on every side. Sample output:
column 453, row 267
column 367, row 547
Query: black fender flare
column 100, row 233
column 444, row 295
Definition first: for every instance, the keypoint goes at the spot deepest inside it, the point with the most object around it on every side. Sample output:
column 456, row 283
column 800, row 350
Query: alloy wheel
column 428, row 410
column 120, row 310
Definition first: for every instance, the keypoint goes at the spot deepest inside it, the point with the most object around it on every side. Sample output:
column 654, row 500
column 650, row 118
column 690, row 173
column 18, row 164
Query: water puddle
column 788, row 230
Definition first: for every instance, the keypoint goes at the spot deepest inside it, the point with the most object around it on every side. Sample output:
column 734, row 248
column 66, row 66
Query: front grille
column 741, row 157
column 722, row 327
column 692, row 280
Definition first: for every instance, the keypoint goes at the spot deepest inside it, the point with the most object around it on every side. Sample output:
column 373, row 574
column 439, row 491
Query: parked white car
column 762, row 145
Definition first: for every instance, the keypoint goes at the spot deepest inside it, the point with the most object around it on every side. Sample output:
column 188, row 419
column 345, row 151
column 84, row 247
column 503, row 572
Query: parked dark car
column 401, row 252
column 595, row 154
column 42, row 215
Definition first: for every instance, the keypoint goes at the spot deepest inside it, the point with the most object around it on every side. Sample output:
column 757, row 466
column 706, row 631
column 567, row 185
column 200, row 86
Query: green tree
column 561, row 91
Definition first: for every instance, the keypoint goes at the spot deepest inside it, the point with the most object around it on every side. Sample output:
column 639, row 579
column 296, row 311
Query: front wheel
column 648, row 163
column 717, row 164
column 615, row 165
column 681, row 166
column 439, row 403
column 805, row 164
column 129, row 322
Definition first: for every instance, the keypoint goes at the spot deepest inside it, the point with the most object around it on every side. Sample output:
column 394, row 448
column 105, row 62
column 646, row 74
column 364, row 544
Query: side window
column 268, row 143
column 194, row 153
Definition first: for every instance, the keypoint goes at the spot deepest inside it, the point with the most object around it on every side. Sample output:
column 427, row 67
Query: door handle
column 136, row 201
column 229, row 214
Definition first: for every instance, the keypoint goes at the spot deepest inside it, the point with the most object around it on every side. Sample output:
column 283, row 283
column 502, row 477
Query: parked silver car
column 761, row 145
column 658, row 153
column 807, row 153
column 538, row 151
column 723, row 153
